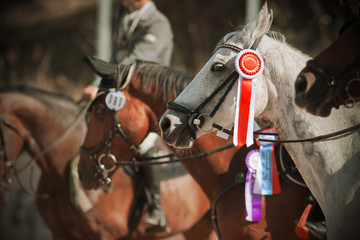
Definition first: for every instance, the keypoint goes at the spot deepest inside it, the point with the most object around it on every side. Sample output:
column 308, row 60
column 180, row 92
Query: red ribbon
column 246, row 86
column 275, row 176
column 276, row 189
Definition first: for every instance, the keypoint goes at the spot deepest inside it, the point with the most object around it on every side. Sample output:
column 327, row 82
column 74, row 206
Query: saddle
column 169, row 171
column 311, row 225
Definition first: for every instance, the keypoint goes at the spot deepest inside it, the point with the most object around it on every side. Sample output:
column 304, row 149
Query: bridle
column 137, row 159
column 347, row 93
column 333, row 83
column 99, row 160
column 196, row 119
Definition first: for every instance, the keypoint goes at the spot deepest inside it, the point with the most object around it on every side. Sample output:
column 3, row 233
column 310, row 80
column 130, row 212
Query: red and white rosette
column 249, row 64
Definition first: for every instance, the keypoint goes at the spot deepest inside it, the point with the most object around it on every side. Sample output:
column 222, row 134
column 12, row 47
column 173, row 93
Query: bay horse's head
column 113, row 136
column 332, row 78
column 210, row 98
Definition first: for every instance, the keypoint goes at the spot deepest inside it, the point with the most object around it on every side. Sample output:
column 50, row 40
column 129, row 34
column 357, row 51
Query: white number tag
column 115, row 100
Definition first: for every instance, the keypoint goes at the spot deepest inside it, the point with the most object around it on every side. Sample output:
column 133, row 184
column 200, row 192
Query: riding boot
column 155, row 217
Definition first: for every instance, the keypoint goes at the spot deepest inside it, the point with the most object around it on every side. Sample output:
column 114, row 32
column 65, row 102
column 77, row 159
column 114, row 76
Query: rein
column 325, row 137
column 6, row 180
column 154, row 160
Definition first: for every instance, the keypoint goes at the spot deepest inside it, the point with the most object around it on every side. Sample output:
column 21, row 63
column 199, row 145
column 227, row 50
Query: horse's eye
column 217, row 67
column 99, row 111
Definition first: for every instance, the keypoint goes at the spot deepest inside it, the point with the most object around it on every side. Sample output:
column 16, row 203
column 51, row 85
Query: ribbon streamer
column 267, row 180
column 252, row 200
column 249, row 65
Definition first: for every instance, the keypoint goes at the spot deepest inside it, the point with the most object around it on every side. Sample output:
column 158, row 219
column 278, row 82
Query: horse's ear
column 101, row 68
column 258, row 26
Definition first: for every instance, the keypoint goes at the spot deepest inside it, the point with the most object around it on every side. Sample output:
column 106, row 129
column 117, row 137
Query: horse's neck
column 42, row 127
column 317, row 162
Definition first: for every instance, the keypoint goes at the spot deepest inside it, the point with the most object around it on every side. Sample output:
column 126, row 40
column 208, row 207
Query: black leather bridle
column 102, row 168
column 332, row 82
column 196, row 119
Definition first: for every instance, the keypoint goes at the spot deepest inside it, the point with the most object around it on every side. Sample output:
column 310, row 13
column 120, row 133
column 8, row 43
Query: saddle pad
column 77, row 194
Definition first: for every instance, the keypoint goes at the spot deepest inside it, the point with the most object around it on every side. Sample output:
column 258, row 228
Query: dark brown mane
column 167, row 80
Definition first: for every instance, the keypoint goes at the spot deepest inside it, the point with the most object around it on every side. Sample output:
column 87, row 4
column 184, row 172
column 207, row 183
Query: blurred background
column 42, row 43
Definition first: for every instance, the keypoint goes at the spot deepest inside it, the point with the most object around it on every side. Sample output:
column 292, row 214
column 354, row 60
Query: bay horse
column 332, row 78
column 32, row 120
column 329, row 168
column 147, row 90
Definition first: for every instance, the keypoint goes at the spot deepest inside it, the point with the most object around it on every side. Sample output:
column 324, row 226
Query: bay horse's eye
column 217, row 67
column 99, row 111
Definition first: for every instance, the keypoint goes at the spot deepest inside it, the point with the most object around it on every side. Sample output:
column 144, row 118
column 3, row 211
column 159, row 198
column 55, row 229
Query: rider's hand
column 89, row 92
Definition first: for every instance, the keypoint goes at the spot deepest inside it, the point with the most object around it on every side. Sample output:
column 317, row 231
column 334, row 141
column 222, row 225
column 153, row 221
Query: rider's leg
column 155, row 218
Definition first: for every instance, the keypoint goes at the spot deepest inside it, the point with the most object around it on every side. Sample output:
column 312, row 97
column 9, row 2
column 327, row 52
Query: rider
column 144, row 33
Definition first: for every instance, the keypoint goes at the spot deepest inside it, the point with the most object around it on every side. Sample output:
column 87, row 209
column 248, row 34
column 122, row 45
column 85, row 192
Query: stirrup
column 156, row 222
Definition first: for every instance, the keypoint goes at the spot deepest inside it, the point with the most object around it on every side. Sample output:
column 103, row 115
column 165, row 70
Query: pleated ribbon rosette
column 249, row 64
column 252, row 199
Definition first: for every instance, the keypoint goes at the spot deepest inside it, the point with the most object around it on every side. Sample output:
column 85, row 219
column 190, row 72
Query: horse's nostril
column 301, row 83
column 165, row 124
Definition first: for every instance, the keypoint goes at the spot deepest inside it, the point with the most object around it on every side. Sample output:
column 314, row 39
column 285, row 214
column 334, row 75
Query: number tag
column 115, row 100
